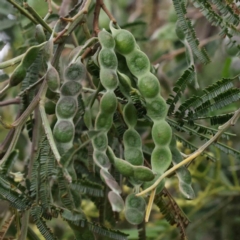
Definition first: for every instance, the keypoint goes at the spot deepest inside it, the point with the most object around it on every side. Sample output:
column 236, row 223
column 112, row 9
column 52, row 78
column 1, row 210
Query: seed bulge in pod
column 66, row 107
column 63, row 131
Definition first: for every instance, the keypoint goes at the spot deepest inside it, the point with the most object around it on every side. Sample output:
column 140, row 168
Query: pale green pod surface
column 156, row 108
column 150, row 183
column 134, row 216
column 107, row 59
column 132, row 201
column 110, row 181
column 103, row 122
column 131, row 138
column 134, row 156
column 109, row 79
column 101, row 159
column 130, row 115
column 142, row 173
column 17, row 76
column 138, row 63
column 39, row 34
column 75, row 71
column 108, row 103
column 161, row 159
column 50, row 107
column 71, row 88
column 66, row 107
column 186, row 190
column 149, row 85
column 52, row 78
column 63, row 131
column 106, row 39
column 100, row 142
column 161, row 133
column 116, row 201
column 125, row 41
column 30, row 56
column 125, row 168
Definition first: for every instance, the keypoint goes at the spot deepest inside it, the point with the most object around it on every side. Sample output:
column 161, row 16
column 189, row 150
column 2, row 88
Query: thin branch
column 96, row 18
column 37, row 17
column 11, row 62
column 179, row 51
column 23, row 11
column 10, row 102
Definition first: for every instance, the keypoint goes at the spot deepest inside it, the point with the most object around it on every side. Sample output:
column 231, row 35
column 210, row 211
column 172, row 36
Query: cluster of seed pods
column 148, row 84
column 67, row 105
column 108, row 76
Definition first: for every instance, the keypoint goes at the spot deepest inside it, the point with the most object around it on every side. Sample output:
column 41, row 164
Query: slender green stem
column 37, row 17
column 23, row 11
column 11, row 62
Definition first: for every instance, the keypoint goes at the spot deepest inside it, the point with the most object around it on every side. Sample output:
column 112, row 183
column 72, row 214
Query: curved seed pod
column 52, row 78
column 67, row 105
column 184, row 176
column 142, row 173
column 108, row 64
column 50, row 107
column 139, row 65
column 39, row 34
column 134, row 209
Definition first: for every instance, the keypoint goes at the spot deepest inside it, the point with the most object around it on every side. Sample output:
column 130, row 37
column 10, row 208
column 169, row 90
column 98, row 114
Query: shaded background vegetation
column 215, row 212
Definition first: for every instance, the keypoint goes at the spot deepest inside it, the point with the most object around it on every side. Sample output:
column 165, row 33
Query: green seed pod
column 108, row 103
column 134, row 156
column 131, row 138
column 106, row 39
column 63, row 131
column 156, row 108
column 71, row 88
column 116, row 201
column 103, row 122
column 149, row 85
column 132, row 201
column 134, row 216
column 125, row 42
column 143, row 173
column 17, row 76
column 53, row 80
column 51, row 95
column 125, row 168
column 66, row 107
column 75, row 71
column 50, row 107
column 109, row 79
column 107, row 59
column 100, row 142
column 30, row 56
column 138, row 63
column 39, row 34
column 130, row 115
column 161, row 133
column 101, row 159
column 161, row 158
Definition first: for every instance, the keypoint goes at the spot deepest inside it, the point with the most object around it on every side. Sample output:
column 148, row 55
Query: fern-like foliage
column 204, row 98
column 179, row 88
column 172, row 212
column 85, row 186
column 187, row 27
column 36, row 214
